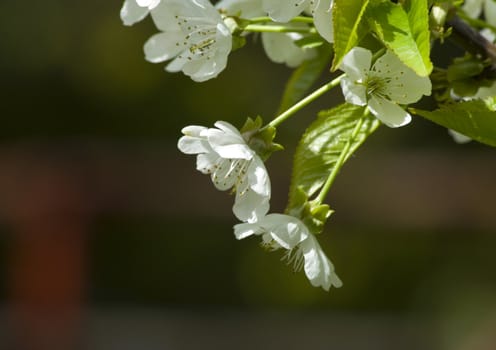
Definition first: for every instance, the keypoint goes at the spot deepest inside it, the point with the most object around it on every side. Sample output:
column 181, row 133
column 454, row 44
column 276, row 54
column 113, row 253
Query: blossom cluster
column 224, row 154
column 196, row 38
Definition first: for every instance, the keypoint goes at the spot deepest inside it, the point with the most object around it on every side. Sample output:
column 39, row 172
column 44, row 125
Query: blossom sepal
column 260, row 139
column 313, row 214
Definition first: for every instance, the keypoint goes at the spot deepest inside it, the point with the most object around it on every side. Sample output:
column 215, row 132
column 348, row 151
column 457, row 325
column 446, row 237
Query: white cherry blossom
column 194, row 36
column 280, row 231
column 223, row 153
column 279, row 47
column 482, row 93
column 383, row 86
column 458, row 137
column 133, row 11
column 321, row 10
column 474, row 8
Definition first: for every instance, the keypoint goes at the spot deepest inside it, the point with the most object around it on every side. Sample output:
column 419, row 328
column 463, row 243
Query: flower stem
column 340, row 162
column 260, row 28
column 305, row 101
column 299, row 19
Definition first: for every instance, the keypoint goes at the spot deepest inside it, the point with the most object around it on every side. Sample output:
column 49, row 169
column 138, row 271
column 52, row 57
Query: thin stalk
column 299, row 19
column 305, row 101
column 260, row 28
column 340, row 162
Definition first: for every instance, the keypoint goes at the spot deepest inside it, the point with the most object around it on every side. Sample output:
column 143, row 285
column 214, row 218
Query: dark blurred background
column 110, row 239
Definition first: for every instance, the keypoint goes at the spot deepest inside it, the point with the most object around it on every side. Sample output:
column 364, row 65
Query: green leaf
column 321, row 146
column 304, row 77
column 405, row 31
column 475, row 119
column 348, row 27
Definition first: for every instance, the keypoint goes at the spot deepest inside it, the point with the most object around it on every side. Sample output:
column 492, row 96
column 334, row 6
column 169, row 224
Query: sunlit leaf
column 404, row 29
column 322, row 144
column 475, row 119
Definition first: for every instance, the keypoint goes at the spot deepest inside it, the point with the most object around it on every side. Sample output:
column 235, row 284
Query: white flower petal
column 286, row 230
column 284, row 10
column 258, row 177
column 192, row 142
column 164, row 18
column 201, row 69
column 228, row 128
column 473, row 8
column 148, row 3
column 193, row 130
column 193, row 145
column 356, row 64
column 250, row 206
column 247, row 8
column 224, row 154
column 488, row 34
column 176, row 65
column 354, row 93
column 388, row 112
column 194, row 36
column 322, row 15
column 318, row 268
column 485, row 92
column 161, row 47
column 131, row 12
column 245, row 230
column 206, row 162
column 459, row 138
column 280, row 48
column 490, row 12
column 225, row 175
column 401, row 84
column 228, row 142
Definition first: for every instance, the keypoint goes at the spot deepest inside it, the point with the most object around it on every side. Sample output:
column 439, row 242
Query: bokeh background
column 109, row 239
